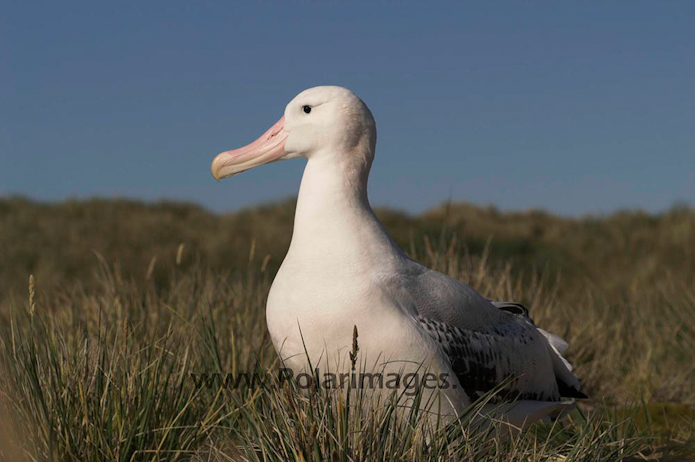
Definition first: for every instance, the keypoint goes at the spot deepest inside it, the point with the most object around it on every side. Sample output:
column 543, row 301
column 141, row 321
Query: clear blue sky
column 574, row 107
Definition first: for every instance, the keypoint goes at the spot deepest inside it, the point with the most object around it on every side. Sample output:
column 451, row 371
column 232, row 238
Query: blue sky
column 581, row 107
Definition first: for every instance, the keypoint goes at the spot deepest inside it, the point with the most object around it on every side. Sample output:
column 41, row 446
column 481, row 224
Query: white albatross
column 343, row 270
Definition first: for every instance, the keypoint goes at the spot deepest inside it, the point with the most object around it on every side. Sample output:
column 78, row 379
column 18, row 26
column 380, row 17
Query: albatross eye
column 306, row 109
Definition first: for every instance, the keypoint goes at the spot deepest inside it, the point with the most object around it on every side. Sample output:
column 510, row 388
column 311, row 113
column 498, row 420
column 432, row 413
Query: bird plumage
column 344, row 270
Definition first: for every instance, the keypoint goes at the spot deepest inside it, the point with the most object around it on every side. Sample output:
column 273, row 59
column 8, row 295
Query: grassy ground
column 128, row 300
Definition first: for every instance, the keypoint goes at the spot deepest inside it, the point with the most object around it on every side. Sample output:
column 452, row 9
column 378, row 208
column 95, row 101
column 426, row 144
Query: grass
column 128, row 300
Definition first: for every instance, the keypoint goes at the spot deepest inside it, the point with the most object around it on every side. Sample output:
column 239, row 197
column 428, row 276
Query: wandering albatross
column 343, row 269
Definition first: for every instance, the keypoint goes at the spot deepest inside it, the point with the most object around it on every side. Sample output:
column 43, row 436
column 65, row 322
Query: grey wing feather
column 513, row 308
column 568, row 384
column 488, row 341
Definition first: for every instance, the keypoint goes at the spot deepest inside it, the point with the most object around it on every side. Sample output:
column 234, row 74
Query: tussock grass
column 99, row 367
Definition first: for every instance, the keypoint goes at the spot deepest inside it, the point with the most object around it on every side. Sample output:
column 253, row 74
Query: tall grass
column 99, row 367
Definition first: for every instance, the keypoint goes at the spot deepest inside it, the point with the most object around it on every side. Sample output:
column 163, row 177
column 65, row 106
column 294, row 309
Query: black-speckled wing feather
column 484, row 358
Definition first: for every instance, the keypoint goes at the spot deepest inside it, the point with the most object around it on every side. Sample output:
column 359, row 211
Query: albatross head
column 321, row 122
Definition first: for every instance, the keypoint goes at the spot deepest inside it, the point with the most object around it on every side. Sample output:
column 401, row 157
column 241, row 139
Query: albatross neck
column 334, row 218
